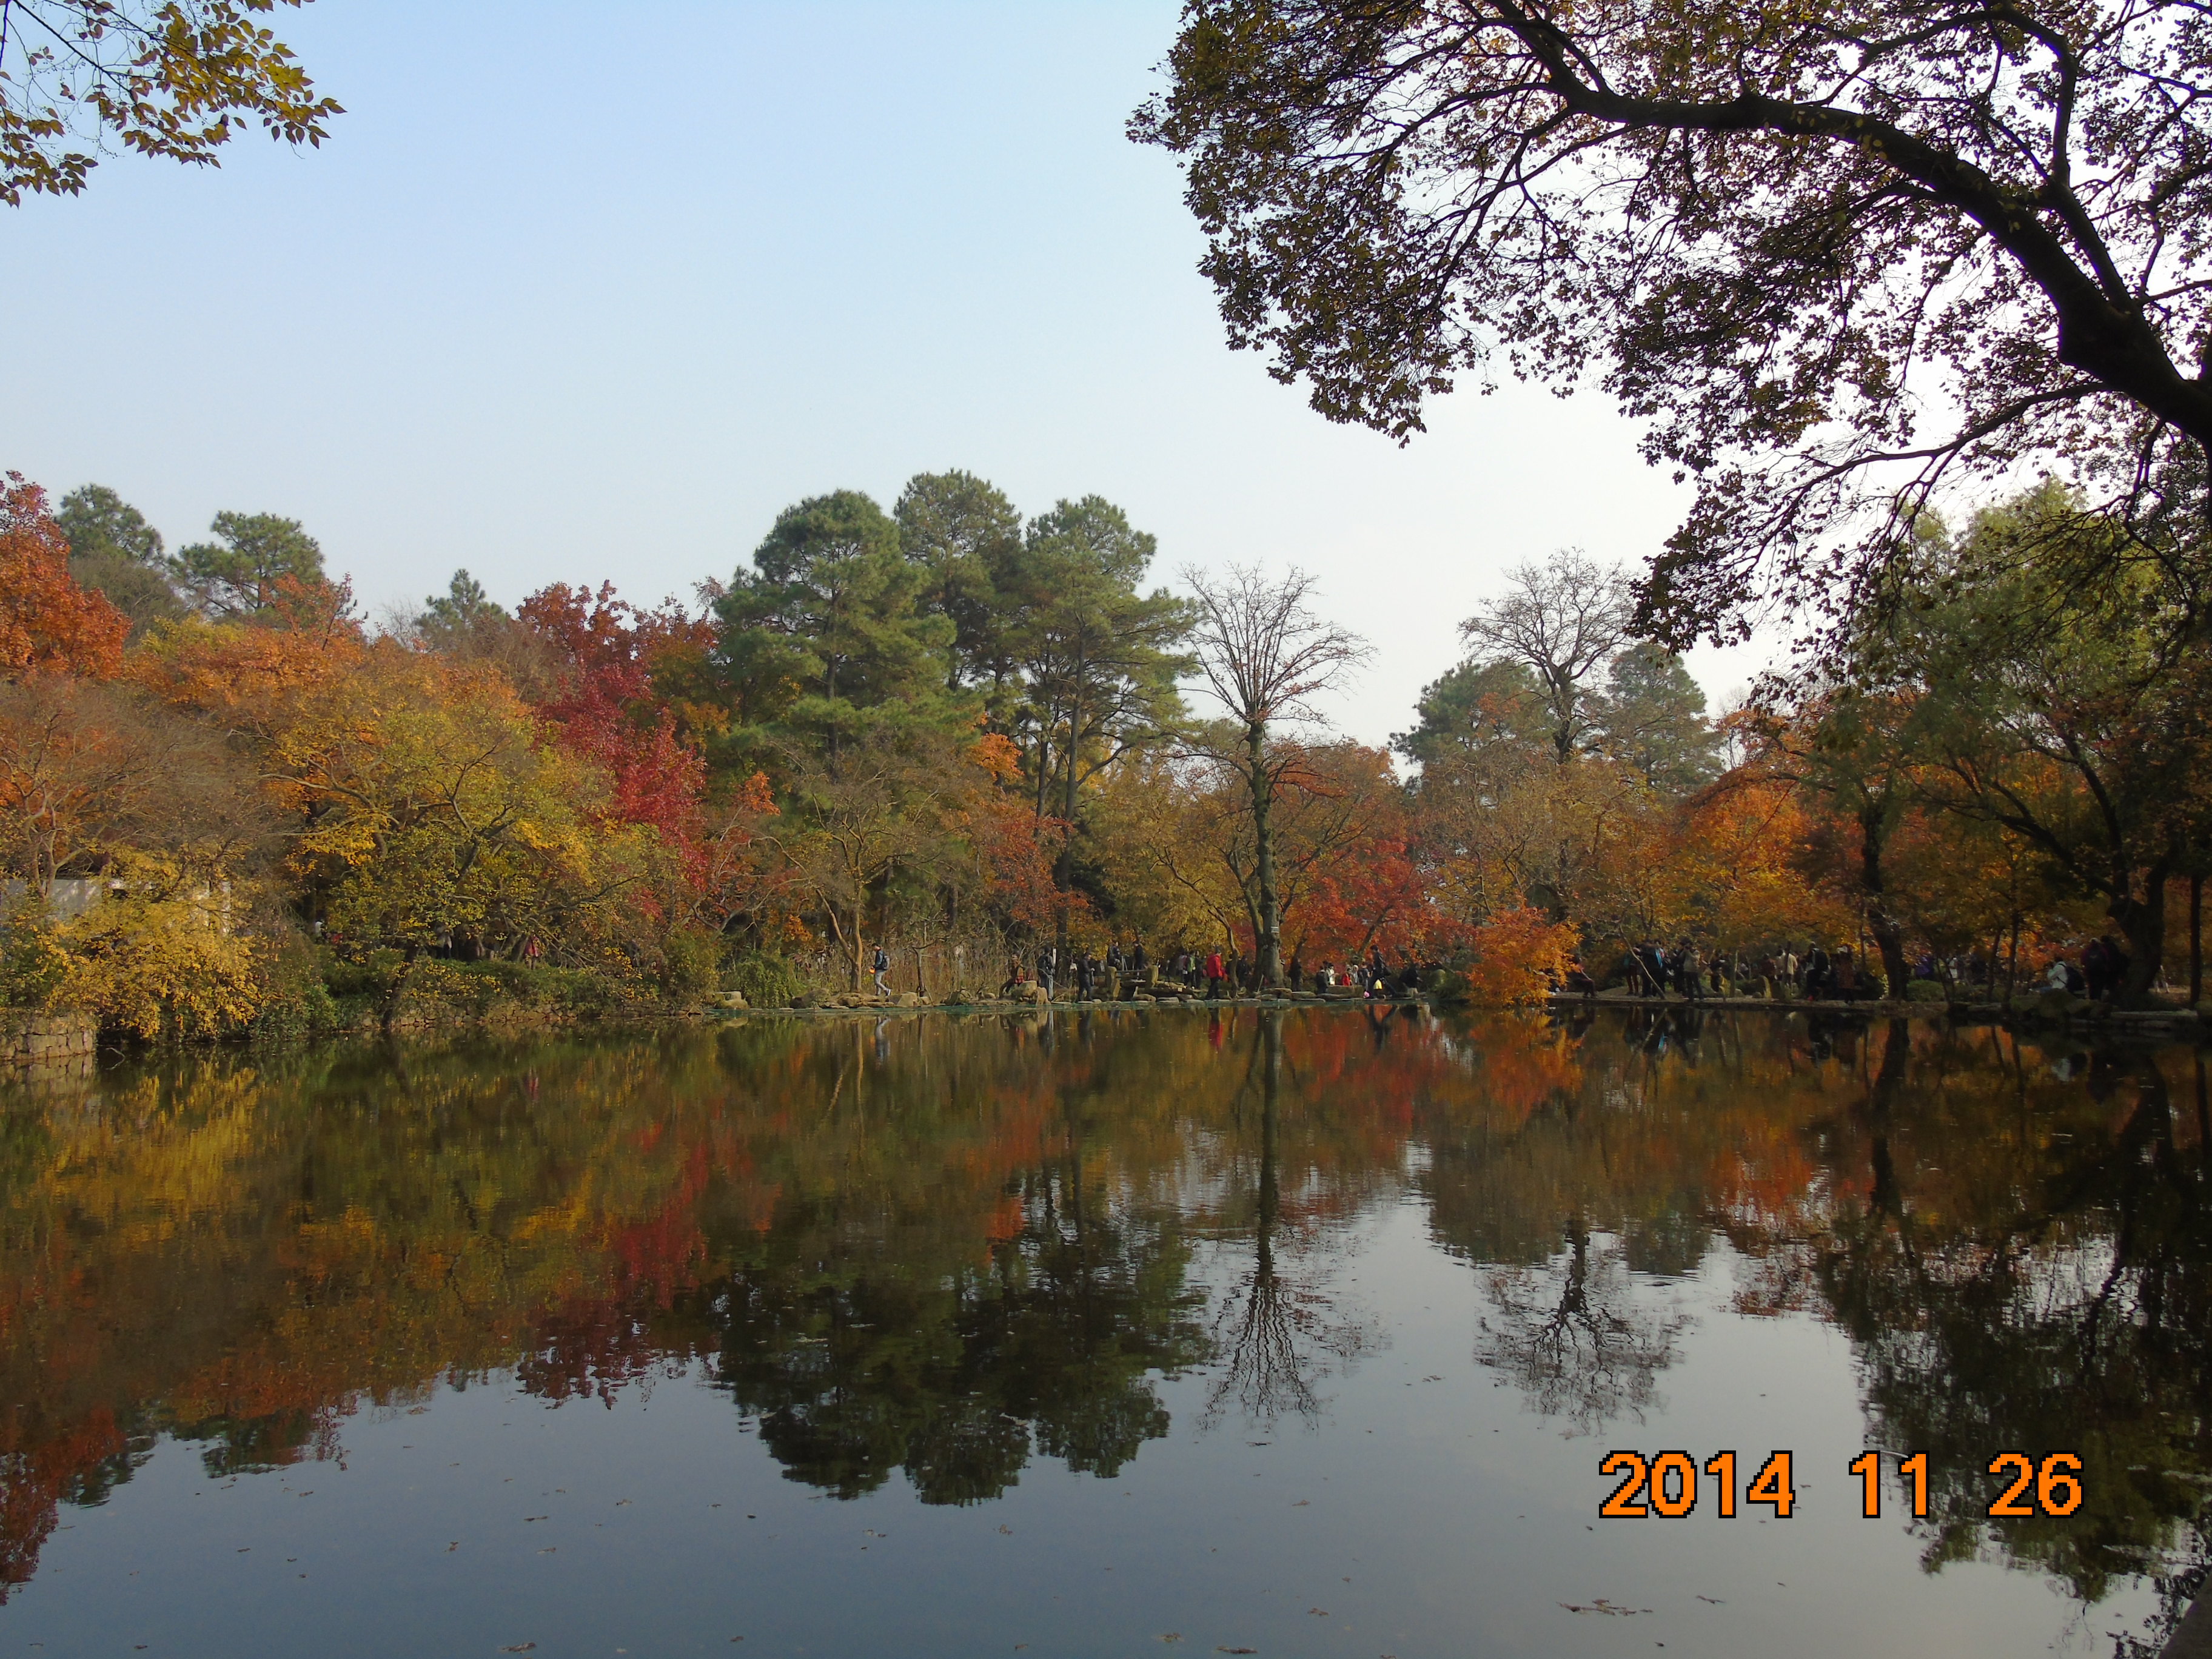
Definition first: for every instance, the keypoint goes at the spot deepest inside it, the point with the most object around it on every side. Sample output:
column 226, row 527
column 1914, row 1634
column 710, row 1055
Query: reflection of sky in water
column 1403, row 1331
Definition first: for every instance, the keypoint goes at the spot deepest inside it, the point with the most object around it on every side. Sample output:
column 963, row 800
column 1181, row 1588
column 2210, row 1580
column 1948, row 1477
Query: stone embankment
column 35, row 1037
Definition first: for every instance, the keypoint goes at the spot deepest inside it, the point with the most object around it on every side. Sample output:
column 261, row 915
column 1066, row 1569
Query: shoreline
column 2082, row 1016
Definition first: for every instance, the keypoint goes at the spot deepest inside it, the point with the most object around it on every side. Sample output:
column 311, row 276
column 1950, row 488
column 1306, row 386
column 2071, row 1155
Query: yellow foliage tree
column 161, row 956
column 1518, row 955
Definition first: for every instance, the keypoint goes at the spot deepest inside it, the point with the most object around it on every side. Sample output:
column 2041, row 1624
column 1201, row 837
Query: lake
column 1304, row 1334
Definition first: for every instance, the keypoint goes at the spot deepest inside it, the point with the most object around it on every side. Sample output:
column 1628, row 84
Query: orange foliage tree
column 48, row 625
column 1519, row 957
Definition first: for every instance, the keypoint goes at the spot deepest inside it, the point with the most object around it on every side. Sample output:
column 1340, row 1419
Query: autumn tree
column 1265, row 656
column 1160, row 830
column 170, row 78
column 426, row 807
column 1353, row 879
column 1179, row 859
column 602, row 650
column 90, row 773
column 48, row 625
column 1832, row 263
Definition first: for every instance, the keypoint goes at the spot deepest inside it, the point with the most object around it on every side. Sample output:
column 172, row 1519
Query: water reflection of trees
column 1280, row 1327
column 1582, row 1341
column 2029, row 1267
column 953, row 1376
column 943, row 1250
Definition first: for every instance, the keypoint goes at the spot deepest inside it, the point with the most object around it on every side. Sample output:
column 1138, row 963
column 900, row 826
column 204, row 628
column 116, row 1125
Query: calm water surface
column 1287, row 1335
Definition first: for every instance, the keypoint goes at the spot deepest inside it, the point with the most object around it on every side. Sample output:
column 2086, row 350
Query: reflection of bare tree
column 1575, row 1334
column 1276, row 1337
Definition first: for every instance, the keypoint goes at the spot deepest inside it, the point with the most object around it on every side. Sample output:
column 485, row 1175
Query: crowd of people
column 1078, row 975
column 1838, row 974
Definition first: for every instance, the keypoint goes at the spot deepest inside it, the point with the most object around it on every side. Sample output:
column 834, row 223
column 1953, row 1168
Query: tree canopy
column 172, row 78
column 238, row 574
column 1832, row 263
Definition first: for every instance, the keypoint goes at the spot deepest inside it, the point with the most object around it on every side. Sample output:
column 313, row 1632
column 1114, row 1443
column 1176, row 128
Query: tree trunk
column 1063, row 873
column 2142, row 921
column 1889, row 937
column 2197, row 939
column 1270, row 943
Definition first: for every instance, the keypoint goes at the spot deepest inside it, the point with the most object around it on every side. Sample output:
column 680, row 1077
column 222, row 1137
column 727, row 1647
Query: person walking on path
column 1044, row 971
column 1817, row 971
column 1214, row 971
column 882, row 966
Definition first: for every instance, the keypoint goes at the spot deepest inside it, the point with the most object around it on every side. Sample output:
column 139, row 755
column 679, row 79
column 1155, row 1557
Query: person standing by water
column 882, row 966
column 1214, row 971
column 1044, row 970
column 1298, row 973
column 1689, row 971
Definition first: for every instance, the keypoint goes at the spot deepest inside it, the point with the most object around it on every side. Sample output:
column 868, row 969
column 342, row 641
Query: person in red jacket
column 1215, row 971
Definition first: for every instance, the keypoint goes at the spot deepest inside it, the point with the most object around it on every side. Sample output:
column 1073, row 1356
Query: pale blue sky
column 559, row 301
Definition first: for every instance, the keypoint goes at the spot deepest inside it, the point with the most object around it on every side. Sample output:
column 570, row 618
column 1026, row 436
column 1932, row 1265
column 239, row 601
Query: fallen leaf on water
column 1604, row 1607
column 1318, row 1613
column 1715, row 1600
column 1237, row 1649
column 1302, row 1503
column 1009, row 1531
column 1172, row 1636
column 519, row 1647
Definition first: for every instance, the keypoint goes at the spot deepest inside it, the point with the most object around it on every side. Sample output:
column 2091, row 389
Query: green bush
column 691, row 965
column 767, row 982
column 1926, row 990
